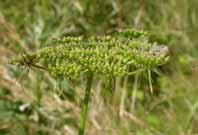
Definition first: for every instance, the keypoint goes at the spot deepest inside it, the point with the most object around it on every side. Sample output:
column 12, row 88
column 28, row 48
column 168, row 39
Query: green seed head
column 106, row 55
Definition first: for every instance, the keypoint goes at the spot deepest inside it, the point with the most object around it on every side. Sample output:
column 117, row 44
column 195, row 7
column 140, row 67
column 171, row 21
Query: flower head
column 107, row 55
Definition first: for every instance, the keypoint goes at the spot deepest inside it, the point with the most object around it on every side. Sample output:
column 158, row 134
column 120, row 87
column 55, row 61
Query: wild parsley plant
column 110, row 55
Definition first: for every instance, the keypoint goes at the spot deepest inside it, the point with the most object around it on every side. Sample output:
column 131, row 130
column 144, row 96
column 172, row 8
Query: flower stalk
column 85, row 104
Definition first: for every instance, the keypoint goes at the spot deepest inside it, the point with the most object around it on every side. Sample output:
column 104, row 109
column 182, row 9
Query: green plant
column 111, row 55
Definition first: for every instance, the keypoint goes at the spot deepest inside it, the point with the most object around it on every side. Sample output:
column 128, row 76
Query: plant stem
column 123, row 97
column 150, row 81
column 135, row 87
column 85, row 104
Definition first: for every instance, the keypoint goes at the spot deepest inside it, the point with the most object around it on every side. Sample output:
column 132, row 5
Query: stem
column 135, row 87
column 123, row 97
column 150, row 81
column 85, row 104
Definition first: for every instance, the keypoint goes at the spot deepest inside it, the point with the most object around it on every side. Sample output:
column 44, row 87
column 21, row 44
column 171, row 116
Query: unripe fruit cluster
column 106, row 55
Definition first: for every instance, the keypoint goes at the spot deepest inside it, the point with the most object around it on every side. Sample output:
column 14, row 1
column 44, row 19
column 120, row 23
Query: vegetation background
column 54, row 105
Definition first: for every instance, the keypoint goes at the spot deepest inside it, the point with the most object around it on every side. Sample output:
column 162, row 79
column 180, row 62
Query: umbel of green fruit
column 112, row 55
column 106, row 55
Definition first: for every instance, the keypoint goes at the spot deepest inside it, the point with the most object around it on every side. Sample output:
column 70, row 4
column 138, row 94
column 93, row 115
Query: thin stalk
column 135, row 87
column 123, row 98
column 150, row 81
column 85, row 104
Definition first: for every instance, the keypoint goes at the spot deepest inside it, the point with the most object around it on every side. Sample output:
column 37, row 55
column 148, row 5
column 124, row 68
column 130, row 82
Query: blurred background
column 33, row 103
